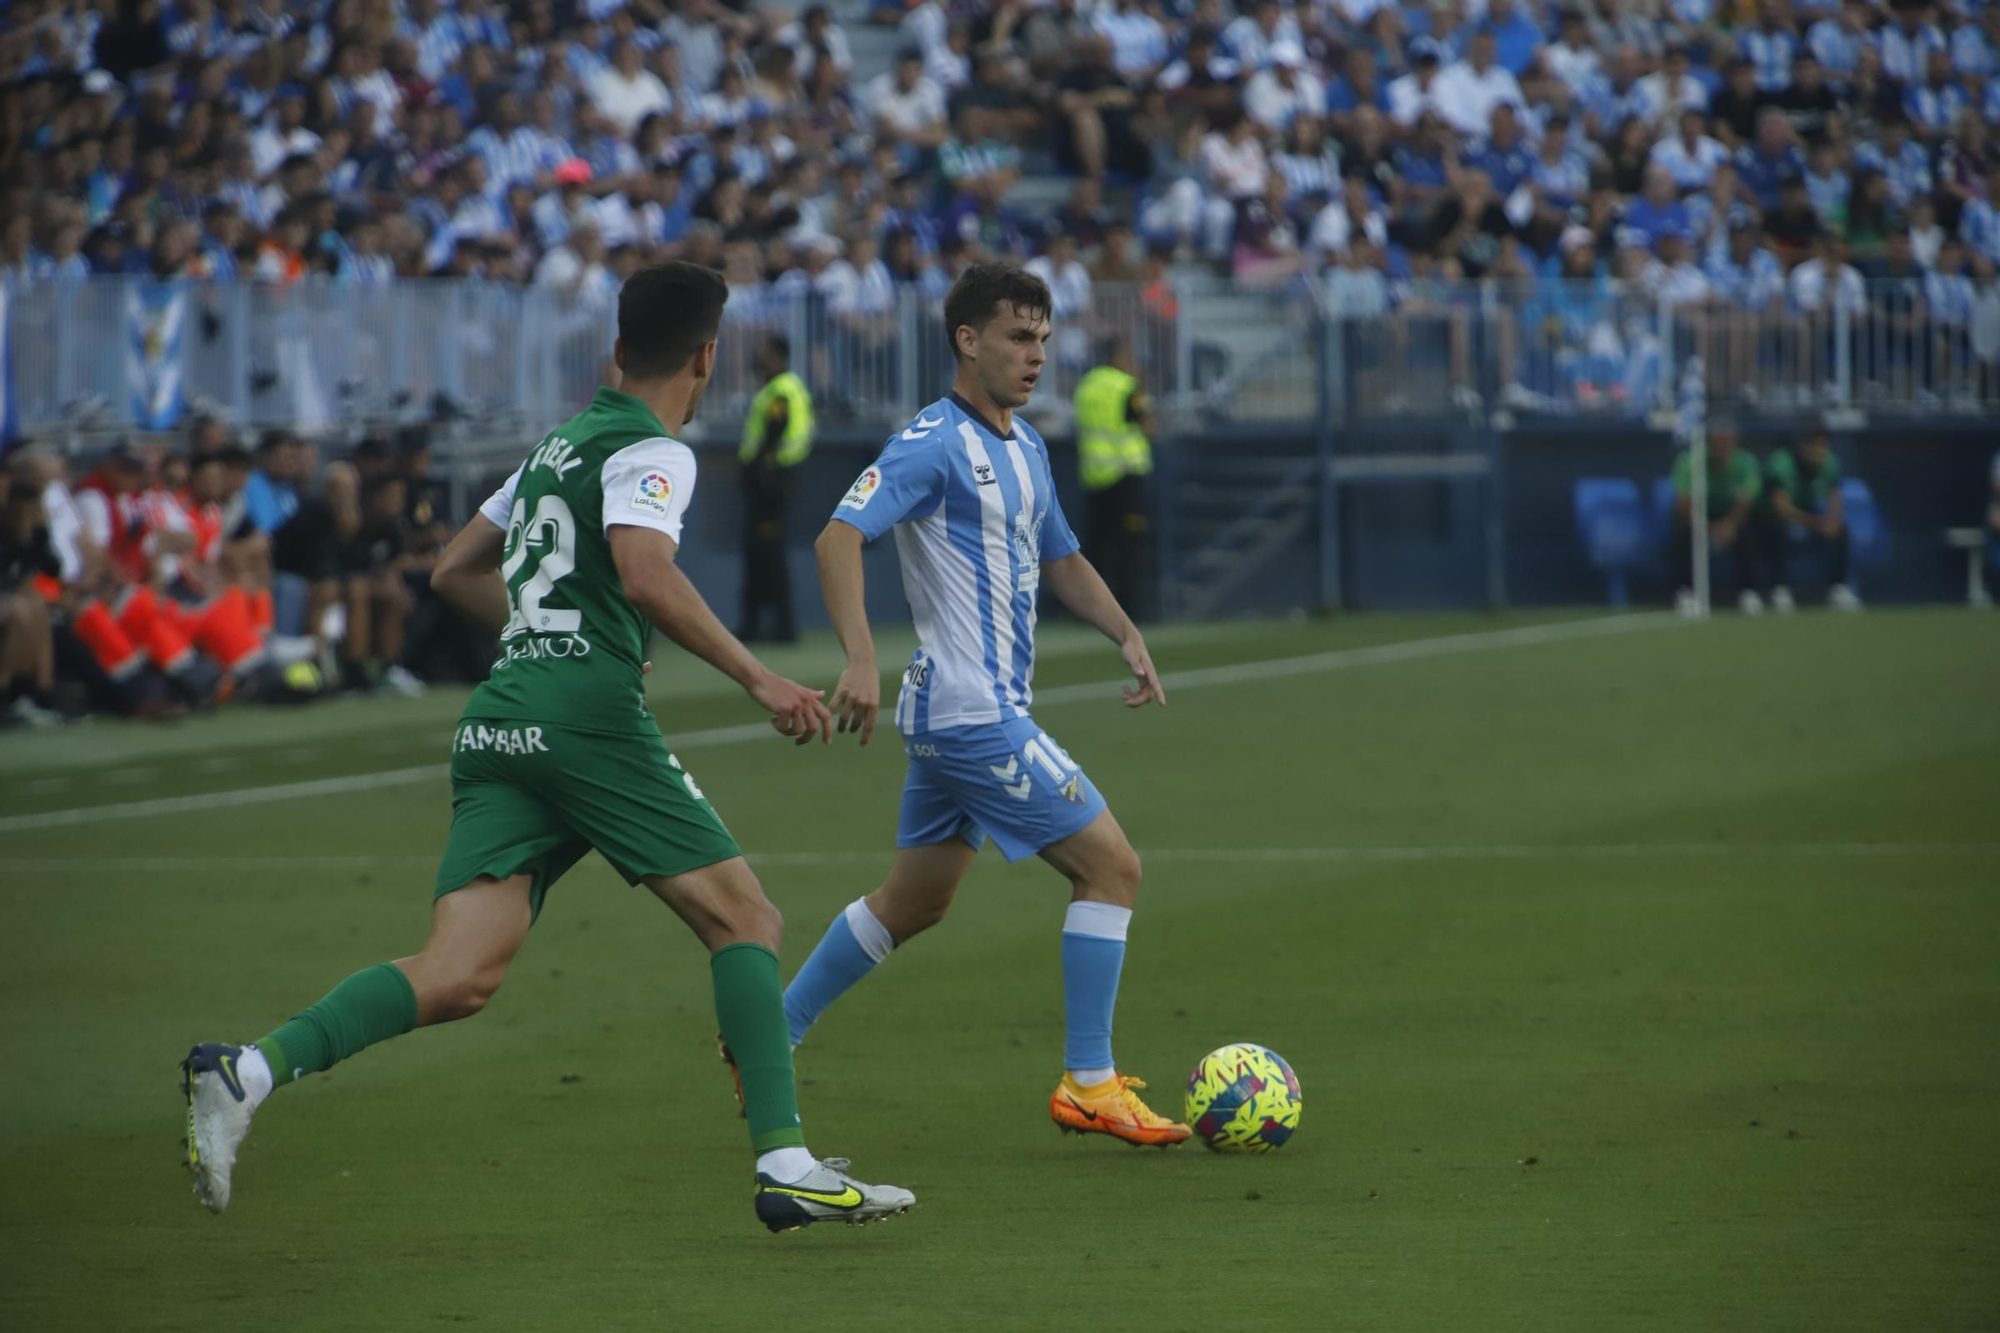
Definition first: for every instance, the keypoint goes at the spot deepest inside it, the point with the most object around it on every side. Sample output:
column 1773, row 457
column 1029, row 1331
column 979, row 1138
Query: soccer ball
column 1243, row 1098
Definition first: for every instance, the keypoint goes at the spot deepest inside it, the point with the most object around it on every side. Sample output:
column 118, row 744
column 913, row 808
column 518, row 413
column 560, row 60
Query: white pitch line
column 1338, row 659
column 1364, row 855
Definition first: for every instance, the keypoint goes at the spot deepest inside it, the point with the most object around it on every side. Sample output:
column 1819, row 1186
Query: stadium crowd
column 1754, row 161
column 1761, row 155
column 169, row 580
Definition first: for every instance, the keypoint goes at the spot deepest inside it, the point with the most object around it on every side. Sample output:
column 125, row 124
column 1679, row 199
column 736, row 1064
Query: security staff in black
column 1114, row 458
column 777, row 436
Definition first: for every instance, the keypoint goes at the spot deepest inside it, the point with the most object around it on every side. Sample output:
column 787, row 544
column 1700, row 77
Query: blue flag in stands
column 155, row 317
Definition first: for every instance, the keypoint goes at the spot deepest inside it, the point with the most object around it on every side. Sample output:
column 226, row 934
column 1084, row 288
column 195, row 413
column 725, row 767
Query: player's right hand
column 857, row 699
column 795, row 710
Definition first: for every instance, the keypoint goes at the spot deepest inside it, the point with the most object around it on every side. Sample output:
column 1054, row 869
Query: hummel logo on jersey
column 984, row 472
column 921, row 427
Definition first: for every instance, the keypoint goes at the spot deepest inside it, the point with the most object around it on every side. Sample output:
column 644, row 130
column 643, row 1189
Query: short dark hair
column 779, row 346
column 983, row 288
column 666, row 313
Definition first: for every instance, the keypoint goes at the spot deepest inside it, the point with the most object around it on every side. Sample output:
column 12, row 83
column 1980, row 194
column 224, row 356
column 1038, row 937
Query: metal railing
column 127, row 353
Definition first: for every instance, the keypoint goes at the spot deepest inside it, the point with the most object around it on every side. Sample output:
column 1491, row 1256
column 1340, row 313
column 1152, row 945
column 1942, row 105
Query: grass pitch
column 1644, row 981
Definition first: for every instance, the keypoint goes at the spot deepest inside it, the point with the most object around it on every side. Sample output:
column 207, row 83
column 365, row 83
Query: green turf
column 1637, row 982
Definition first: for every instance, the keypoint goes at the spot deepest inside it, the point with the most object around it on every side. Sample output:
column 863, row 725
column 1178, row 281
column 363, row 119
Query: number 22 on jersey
column 550, row 536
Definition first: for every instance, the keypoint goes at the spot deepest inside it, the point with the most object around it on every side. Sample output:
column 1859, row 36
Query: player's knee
column 1114, row 879
column 467, row 990
column 904, row 915
column 750, row 915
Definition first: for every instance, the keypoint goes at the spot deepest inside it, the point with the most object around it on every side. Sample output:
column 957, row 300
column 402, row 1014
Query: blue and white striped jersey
column 975, row 515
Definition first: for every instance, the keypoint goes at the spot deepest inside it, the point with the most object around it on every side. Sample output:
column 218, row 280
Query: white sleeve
column 648, row 485
column 499, row 506
column 96, row 516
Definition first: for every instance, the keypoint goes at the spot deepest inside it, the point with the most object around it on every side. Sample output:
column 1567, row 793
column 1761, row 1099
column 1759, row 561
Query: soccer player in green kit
column 572, row 565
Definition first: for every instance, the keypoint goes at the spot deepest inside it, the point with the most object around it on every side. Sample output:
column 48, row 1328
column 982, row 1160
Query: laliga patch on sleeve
column 653, row 493
column 863, row 490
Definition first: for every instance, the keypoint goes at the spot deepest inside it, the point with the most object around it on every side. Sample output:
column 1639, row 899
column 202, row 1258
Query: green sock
column 751, row 1005
column 373, row 1005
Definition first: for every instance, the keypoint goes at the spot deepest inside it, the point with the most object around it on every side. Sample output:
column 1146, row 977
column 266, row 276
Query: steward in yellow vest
column 1114, row 458
column 777, row 437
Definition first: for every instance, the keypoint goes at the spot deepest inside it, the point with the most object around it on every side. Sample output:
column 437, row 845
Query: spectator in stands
column 1827, row 282
column 907, row 108
column 271, row 496
column 1669, row 91
column 1070, row 287
column 1267, row 250
column 29, row 571
column 1467, row 91
column 1250, row 38
column 1351, row 217
column 1099, row 114
column 1417, row 91
column 1690, row 156
column 1734, row 482
column 1809, row 104
column 1284, row 89
column 1795, row 227
column 378, row 600
column 1800, row 507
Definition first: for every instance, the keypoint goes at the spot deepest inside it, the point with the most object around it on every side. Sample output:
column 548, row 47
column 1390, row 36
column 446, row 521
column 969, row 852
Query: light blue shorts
column 1001, row 780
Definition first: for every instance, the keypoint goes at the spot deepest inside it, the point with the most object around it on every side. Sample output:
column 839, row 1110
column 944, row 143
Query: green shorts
column 534, row 798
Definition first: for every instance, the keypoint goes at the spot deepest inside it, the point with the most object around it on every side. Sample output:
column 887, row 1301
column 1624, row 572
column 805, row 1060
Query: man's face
column 1721, row 443
column 388, row 498
column 907, row 72
column 207, row 483
column 1814, row 451
column 1482, row 51
column 1007, row 355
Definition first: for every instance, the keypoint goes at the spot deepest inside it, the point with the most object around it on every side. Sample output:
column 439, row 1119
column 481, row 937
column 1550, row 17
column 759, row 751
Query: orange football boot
column 1112, row 1107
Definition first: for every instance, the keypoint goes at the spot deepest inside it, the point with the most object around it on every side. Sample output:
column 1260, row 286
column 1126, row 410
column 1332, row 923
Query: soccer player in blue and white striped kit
column 967, row 489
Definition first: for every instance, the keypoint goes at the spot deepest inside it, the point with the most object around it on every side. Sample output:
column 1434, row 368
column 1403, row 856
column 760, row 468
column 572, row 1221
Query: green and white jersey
column 572, row 650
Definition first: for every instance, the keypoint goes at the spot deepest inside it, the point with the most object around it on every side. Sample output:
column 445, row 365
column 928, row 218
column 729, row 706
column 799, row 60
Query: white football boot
column 218, row 1119
column 826, row 1194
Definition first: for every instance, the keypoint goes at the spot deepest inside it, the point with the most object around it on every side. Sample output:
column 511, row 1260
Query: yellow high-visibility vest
column 1109, row 447
column 796, row 442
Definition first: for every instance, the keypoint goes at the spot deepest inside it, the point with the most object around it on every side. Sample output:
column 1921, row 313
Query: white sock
column 1090, row 1078
column 786, row 1165
column 869, row 932
column 254, row 1072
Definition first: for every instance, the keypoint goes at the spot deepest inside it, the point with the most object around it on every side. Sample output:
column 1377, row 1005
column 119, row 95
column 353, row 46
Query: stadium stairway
column 1234, row 509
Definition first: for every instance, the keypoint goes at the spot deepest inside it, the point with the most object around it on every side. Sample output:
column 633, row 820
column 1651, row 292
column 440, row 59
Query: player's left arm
column 1078, row 586
column 467, row 573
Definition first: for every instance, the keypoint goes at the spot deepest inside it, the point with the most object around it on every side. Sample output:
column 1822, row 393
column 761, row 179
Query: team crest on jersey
column 653, row 493
column 863, row 490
